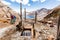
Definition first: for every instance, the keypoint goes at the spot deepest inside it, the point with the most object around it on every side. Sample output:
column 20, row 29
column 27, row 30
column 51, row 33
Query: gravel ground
column 16, row 35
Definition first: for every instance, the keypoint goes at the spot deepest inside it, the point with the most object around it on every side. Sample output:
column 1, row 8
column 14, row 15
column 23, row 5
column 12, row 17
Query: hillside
column 5, row 26
column 41, row 13
column 5, row 12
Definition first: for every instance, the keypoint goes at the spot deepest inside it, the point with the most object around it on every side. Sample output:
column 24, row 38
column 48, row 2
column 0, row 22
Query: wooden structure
column 35, row 17
column 54, row 13
column 24, row 14
column 58, row 30
column 21, row 13
column 31, row 28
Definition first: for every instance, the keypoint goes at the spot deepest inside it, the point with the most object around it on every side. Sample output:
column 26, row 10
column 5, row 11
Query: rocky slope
column 5, row 12
column 40, row 13
column 5, row 27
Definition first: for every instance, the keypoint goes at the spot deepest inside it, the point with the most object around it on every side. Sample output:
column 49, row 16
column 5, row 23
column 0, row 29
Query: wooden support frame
column 24, row 30
column 33, row 31
column 35, row 17
column 25, row 14
column 58, row 29
column 21, row 13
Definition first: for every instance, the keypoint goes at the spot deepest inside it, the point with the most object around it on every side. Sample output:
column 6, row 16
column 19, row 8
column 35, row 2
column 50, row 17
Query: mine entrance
column 26, row 32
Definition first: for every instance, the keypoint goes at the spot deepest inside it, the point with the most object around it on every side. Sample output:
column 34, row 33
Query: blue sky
column 32, row 5
column 14, row 4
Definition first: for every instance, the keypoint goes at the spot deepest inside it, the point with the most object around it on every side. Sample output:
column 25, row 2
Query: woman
column 13, row 19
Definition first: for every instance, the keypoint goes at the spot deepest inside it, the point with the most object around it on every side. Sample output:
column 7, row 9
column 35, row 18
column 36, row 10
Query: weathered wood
column 58, row 29
column 25, row 14
column 19, row 26
column 35, row 17
column 21, row 13
column 33, row 31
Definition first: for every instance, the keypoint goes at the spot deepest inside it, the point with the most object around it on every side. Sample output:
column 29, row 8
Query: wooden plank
column 35, row 17
column 58, row 29
column 25, row 14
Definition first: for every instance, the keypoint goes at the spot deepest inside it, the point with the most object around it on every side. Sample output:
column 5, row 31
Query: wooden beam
column 21, row 13
column 35, row 17
column 33, row 31
column 58, row 29
column 25, row 14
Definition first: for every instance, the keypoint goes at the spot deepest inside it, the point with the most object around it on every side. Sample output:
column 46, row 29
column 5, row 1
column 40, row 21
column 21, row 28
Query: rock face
column 43, row 31
column 6, row 28
column 40, row 13
column 5, row 12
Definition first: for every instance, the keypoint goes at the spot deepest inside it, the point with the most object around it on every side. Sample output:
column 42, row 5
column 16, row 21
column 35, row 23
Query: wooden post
column 25, row 14
column 58, row 26
column 33, row 31
column 58, row 29
column 35, row 17
column 21, row 13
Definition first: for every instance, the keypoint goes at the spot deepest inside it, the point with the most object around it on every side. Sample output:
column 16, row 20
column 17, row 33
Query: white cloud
column 58, row 0
column 13, row 0
column 35, row 0
column 18, row 1
column 24, row 2
column 39, row 0
column 29, row 4
column 5, row 2
column 42, row 0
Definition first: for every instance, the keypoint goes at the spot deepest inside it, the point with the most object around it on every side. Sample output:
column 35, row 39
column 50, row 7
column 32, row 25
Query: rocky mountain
column 41, row 13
